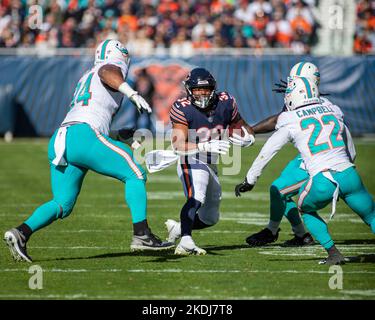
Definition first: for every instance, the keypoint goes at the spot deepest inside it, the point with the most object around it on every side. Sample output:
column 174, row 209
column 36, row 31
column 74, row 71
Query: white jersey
column 93, row 103
column 316, row 131
column 350, row 148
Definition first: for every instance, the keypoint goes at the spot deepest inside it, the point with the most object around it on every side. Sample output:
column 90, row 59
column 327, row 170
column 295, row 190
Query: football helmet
column 301, row 91
column 306, row 70
column 202, row 79
column 111, row 49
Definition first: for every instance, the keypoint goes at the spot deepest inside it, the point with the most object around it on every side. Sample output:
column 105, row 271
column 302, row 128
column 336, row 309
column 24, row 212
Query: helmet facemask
column 201, row 97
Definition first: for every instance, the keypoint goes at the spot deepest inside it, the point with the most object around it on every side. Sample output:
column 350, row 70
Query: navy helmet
column 200, row 78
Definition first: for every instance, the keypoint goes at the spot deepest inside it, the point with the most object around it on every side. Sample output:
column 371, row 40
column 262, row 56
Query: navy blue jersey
column 205, row 125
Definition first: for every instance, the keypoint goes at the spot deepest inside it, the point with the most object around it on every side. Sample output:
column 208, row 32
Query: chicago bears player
column 83, row 143
column 199, row 121
column 291, row 178
column 316, row 131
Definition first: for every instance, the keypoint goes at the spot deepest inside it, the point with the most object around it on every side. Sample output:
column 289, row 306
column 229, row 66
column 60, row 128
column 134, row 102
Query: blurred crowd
column 174, row 27
column 177, row 27
column 364, row 39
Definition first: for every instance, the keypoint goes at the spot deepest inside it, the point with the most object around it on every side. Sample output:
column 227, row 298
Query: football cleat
column 16, row 243
column 187, row 247
column 305, row 240
column 149, row 241
column 262, row 238
column 174, row 230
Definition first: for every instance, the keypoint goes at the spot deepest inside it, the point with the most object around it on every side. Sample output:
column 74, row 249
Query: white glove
column 214, row 146
column 246, row 141
column 140, row 103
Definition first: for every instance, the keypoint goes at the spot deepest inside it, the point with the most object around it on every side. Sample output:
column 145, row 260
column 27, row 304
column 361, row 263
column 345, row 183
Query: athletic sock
column 187, row 216
column 25, row 230
column 187, row 241
column 273, row 226
column 299, row 230
column 140, row 228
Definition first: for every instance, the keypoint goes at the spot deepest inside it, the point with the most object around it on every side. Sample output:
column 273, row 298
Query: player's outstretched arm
column 112, row 76
column 268, row 151
column 266, row 125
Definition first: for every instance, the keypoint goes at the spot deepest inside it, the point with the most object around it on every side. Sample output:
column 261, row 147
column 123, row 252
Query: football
column 236, row 128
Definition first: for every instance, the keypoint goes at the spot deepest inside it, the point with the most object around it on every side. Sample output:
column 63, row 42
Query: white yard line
column 54, row 270
column 359, row 292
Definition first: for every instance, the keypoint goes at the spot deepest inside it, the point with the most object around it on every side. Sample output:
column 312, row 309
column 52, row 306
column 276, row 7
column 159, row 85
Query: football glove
column 243, row 187
column 140, row 103
column 214, row 146
column 246, row 141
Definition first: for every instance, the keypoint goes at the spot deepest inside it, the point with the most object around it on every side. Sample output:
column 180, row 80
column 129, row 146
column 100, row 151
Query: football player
column 199, row 121
column 292, row 177
column 317, row 132
column 83, row 143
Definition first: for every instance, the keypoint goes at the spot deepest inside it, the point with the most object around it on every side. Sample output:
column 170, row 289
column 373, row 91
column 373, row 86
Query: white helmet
column 307, row 70
column 109, row 49
column 301, row 91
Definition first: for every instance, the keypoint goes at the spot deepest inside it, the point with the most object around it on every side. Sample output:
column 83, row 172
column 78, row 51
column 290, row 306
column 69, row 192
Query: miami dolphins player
column 199, row 121
column 83, row 143
column 316, row 131
column 291, row 178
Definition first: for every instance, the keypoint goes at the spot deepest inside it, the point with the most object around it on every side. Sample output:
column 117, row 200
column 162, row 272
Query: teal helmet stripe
column 104, row 48
column 300, row 68
column 308, row 88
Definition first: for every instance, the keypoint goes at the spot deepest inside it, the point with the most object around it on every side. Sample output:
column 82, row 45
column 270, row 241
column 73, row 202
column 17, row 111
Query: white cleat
column 187, row 247
column 17, row 245
column 174, row 230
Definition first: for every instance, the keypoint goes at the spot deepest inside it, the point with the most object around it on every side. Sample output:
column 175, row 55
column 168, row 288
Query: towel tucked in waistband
column 59, row 147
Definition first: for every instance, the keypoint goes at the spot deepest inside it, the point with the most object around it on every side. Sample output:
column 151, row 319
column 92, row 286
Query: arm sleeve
column 177, row 116
column 269, row 150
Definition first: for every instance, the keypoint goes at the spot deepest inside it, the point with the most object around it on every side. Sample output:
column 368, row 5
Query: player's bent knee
column 209, row 215
column 140, row 175
column 275, row 192
column 65, row 209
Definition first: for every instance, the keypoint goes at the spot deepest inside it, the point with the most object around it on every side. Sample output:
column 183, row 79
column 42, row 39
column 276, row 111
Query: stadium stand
column 162, row 25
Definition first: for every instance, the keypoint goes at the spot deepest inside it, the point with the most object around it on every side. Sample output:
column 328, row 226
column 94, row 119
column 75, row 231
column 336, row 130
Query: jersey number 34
column 82, row 94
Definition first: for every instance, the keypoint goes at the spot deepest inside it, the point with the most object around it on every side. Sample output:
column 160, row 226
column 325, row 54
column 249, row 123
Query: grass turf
column 87, row 255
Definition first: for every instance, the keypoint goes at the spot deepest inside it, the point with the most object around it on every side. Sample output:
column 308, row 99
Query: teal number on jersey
column 333, row 137
column 75, row 94
column 82, row 94
column 314, row 148
column 85, row 94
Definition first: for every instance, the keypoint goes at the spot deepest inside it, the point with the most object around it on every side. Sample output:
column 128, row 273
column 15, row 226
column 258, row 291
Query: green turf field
column 87, row 255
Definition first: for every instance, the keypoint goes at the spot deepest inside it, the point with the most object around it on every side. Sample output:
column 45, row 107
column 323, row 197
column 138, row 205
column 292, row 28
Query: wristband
column 126, row 89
